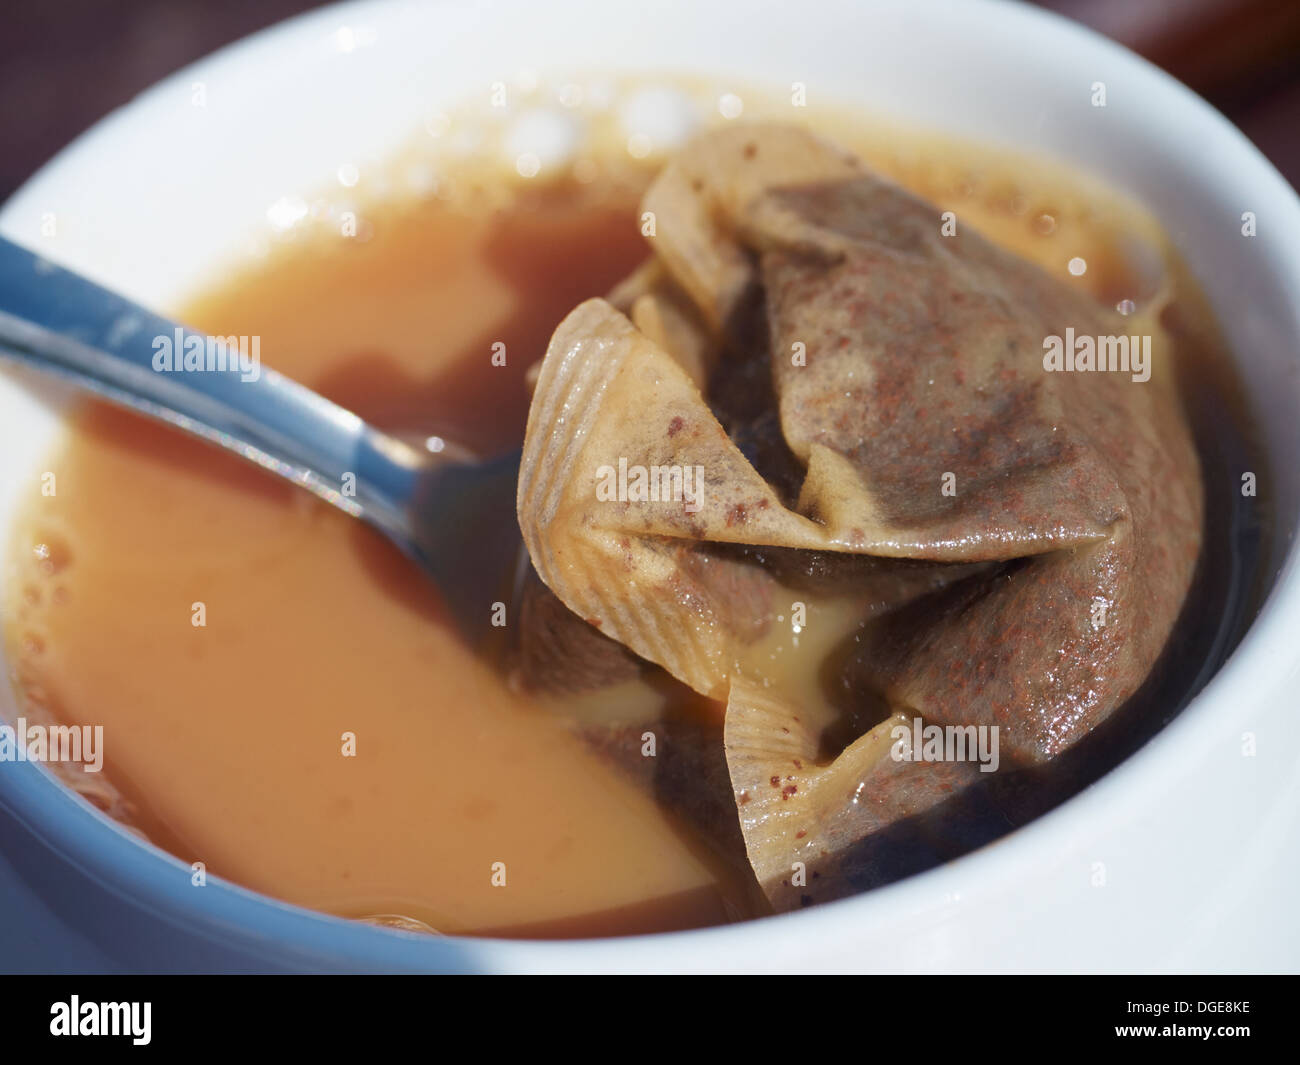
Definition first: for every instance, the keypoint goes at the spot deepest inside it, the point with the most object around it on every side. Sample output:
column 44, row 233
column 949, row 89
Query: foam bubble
column 664, row 117
column 730, row 106
column 548, row 135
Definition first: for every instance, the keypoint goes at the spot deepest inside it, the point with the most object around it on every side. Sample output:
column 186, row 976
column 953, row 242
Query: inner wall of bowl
column 155, row 200
column 31, row 410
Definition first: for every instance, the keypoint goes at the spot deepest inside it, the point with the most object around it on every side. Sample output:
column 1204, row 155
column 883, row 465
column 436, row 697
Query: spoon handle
column 58, row 321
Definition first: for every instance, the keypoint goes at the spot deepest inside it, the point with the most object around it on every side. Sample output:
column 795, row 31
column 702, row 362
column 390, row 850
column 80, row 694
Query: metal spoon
column 455, row 518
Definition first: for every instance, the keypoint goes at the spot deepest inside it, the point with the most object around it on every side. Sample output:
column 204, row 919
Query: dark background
column 66, row 63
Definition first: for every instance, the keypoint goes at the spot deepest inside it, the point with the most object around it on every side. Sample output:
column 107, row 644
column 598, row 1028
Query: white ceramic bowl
column 1199, row 842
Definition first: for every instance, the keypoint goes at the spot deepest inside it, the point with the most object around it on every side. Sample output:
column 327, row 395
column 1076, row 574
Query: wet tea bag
column 1015, row 537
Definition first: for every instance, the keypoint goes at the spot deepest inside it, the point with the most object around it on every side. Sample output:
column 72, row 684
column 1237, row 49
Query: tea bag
column 1016, row 540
